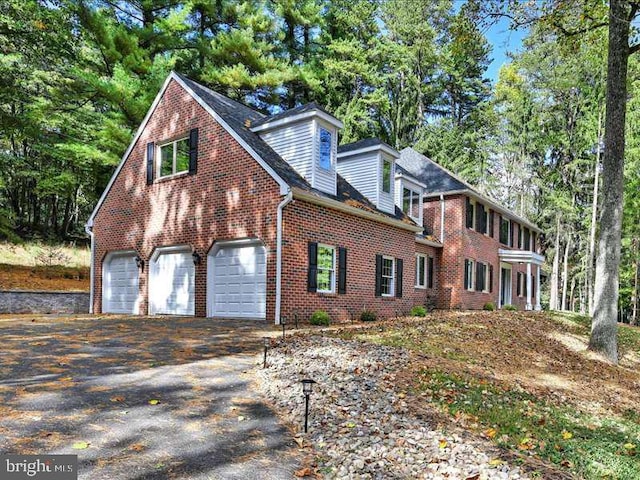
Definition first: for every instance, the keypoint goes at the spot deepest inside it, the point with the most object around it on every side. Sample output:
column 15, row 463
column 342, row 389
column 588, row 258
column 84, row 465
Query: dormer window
column 386, row 176
column 326, row 143
column 411, row 202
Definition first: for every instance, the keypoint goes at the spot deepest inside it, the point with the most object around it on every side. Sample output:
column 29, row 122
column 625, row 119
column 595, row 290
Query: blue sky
column 503, row 41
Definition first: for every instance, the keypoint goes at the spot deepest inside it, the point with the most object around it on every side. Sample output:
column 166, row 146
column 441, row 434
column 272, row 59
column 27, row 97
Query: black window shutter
column 490, row 278
column 519, row 236
column 519, row 286
column 193, row 151
column 533, row 241
column 312, row 276
column 525, row 278
column 466, row 274
column 378, row 275
column 491, row 229
column 150, row 150
column 399, row 270
column 480, row 218
column 469, row 213
column 527, row 239
column 430, row 273
column 342, row 270
column 479, row 277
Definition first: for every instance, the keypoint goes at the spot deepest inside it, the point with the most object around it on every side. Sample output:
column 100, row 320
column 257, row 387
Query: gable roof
column 439, row 180
column 436, row 178
column 234, row 117
column 307, row 107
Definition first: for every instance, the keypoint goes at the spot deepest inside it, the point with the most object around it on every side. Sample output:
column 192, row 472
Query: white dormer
column 409, row 194
column 307, row 138
column 369, row 165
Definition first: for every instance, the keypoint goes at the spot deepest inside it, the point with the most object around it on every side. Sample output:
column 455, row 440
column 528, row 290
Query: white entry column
column 538, row 306
column 528, row 306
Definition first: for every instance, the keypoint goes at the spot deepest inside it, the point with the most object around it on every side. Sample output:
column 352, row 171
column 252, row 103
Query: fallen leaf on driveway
column 303, row 472
column 137, row 447
column 80, row 445
column 154, row 402
column 117, row 399
column 442, row 443
column 567, row 435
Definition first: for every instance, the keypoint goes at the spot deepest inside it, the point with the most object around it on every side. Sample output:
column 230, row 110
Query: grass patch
column 35, row 253
column 590, row 447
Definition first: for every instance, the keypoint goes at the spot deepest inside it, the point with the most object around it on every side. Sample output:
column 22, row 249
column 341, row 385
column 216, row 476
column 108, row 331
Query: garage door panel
column 172, row 284
column 120, row 284
column 237, row 282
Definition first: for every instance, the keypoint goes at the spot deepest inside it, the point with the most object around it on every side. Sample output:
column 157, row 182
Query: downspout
column 287, row 199
column 441, row 218
column 89, row 229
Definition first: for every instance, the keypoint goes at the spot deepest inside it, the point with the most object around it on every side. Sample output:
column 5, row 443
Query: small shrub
column 489, row 306
column 320, row 317
column 510, row 308
column 52, row 255
column 368, row 316
column 418, row 311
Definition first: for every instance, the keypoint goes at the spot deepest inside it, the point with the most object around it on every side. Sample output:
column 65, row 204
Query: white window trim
column 487, row 216
column 472, row 201
column 159, row 148
column 413, row 194
column 332, row 276
column 331, row 151
column 472, row 272
column 393, row 277
column 509, row 243
column 425, row 274
column 382, row 176
column 487, row 287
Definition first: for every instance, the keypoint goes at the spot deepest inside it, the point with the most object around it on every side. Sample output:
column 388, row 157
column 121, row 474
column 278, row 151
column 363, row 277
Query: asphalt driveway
column 151, row 398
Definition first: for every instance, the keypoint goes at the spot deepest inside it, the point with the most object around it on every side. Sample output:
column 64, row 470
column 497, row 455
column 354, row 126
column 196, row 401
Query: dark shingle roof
column 235, row 114
column 436, row 178
column 367, row 142
column 307, row 107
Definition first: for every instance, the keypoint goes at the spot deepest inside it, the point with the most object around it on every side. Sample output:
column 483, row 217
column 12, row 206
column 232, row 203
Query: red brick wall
column 363, row 239
column 462, row 243
column 231, row 196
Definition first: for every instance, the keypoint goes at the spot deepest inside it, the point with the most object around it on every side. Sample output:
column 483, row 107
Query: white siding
column 386, row 201
column 360, row 171
column 294, row 143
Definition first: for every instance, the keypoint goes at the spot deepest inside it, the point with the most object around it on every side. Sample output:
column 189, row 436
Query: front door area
column 505, row 284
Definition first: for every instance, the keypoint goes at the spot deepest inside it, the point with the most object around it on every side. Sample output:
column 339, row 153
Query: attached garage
column 120, row 283
column 172, row 281
column 237, row 280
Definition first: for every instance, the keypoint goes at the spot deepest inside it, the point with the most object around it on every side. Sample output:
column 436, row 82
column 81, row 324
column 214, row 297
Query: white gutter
column 442, row 218
column 89, row 229
column 287, row 199
column 358, row 212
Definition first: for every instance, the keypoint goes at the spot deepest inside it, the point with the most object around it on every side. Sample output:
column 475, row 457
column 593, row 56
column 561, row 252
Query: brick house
column 217, row 210
column 489, row 253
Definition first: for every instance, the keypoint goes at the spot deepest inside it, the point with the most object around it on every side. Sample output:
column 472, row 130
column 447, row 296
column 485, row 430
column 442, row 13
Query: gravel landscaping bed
column 360, row 423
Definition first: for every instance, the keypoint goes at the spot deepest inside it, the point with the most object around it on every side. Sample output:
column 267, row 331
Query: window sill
column 420, row 287
column 325, row 293
column 174, row 176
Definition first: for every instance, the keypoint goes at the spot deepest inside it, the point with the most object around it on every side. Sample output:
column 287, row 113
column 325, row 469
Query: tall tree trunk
column 636, row 274
column 604, row 327
column 594, row 216
column 565, row 273
column 572, row 299
column 553, row 295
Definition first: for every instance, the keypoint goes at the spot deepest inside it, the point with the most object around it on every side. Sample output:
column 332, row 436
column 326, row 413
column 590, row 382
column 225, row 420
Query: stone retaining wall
column 36, row 301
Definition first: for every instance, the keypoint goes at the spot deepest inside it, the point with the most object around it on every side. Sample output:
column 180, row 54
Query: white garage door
column 238, row 282
column 172, row 283
column 120, row 284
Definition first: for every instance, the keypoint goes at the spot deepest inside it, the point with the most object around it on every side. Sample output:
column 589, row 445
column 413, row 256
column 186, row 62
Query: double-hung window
column 505, row 231
column 173, row 157
column 469, row 274
column 387, row 284
column 326, row 148
column 421, row 271
column 326, row 276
